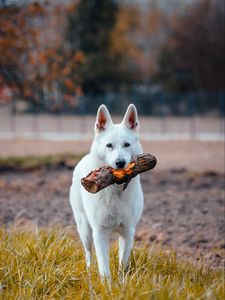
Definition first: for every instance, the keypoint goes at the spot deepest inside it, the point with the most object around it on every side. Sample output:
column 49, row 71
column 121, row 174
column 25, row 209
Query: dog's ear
column 103, row 119
column 130, row 119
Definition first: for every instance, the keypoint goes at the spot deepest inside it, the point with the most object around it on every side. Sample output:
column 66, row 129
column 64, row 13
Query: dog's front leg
column 101, row 243
column 126, row 240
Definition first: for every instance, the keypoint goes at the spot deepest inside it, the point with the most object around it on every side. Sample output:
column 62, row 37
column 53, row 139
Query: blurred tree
column 14, row 42
column 124, row 44
column 193, row 56
column 34, row 61
column 154, row 32
column 90, row 30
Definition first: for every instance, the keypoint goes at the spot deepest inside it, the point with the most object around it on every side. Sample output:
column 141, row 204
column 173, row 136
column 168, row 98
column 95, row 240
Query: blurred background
column 59, row 60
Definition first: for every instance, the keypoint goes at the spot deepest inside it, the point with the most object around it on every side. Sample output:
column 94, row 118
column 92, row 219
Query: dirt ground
column 184, row 210
column 184, row 195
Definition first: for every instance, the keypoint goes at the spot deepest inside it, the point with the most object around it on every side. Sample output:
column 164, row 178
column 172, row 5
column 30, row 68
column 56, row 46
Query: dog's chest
column 113, row 211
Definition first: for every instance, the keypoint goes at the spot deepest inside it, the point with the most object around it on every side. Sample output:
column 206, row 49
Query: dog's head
column 116, row 144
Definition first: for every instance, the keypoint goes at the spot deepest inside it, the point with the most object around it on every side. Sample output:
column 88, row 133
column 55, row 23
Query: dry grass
column 49, row 264
column 35, row 162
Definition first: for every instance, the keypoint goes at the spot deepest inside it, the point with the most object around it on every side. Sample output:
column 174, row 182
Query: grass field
column 49, row 264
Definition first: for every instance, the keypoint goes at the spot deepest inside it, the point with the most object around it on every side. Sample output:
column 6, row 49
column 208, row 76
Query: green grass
column 49, row 264
column 34, row 162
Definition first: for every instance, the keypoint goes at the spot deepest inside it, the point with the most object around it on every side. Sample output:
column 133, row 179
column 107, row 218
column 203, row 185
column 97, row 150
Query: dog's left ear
column 130, row 119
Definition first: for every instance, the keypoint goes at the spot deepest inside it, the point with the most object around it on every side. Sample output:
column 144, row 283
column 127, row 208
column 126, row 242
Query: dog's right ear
column 103, row 119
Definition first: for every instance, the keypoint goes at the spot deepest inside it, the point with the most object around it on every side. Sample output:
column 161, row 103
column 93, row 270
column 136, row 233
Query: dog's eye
column 127, row 145
column 109, row 145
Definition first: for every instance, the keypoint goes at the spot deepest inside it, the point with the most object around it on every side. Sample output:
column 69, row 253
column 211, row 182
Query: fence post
column 192, row 111
column 163, row 127
column 82, row 111
column 12, row 119
column 35, row 122
column 59, row 124
column 221, row 112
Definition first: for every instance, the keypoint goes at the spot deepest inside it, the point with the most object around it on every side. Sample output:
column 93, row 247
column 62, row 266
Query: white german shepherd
column 112, row 209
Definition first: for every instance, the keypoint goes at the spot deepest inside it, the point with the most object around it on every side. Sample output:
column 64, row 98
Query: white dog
column 112, row 209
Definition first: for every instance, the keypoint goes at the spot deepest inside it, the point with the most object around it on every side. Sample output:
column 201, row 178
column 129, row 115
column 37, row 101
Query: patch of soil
column 183, row 210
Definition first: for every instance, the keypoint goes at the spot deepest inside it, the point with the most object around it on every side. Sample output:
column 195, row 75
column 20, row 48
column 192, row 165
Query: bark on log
column 100, row 178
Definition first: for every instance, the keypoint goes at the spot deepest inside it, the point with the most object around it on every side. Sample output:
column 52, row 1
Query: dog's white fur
column 112, row 209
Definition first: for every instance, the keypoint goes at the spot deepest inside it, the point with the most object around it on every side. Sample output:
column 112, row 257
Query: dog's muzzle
column 120, row 163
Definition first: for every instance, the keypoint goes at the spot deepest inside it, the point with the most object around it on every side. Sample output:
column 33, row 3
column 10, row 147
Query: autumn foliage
column 34, row 62
column 52, row 54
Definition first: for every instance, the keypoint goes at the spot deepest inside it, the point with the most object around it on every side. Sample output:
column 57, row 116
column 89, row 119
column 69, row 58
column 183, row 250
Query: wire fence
column 161, row 117
column 161, row 103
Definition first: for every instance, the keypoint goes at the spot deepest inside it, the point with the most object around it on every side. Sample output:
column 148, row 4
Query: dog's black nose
column 120, row 163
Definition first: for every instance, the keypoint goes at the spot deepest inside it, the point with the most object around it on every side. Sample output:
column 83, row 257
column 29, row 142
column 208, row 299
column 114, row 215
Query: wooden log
column 105, row 176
